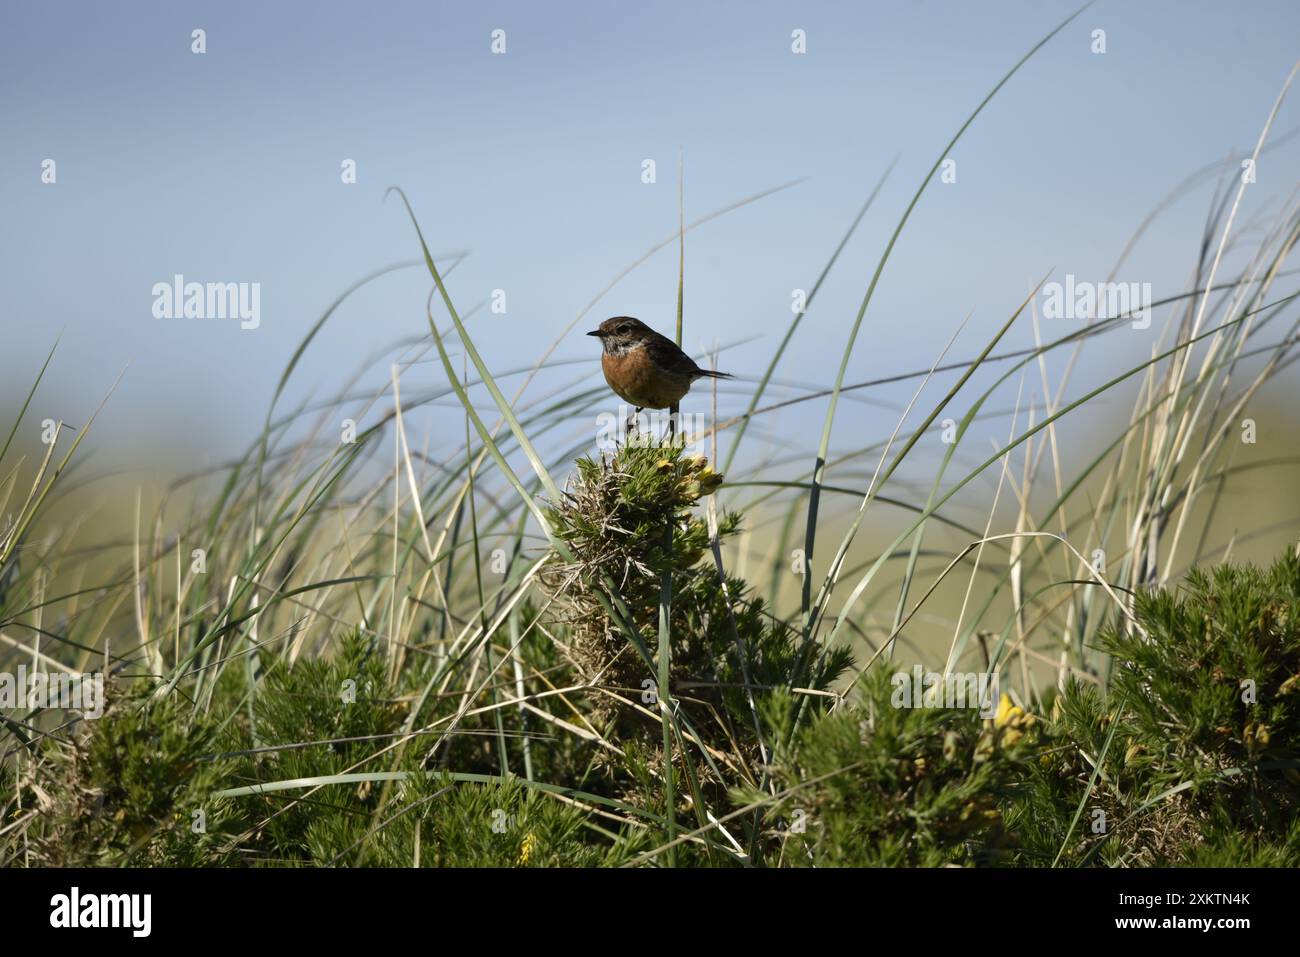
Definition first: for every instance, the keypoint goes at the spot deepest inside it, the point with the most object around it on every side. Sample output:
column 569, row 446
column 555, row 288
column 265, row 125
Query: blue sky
column 225, row 167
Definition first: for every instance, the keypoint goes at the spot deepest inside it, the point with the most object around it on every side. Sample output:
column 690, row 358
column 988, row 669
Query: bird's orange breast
column 634, row 378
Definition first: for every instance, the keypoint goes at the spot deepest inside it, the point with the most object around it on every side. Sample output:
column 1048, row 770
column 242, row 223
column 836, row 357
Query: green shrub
column 136, row 788
column 876, row 785
column 727, row 649
column 1198, row 730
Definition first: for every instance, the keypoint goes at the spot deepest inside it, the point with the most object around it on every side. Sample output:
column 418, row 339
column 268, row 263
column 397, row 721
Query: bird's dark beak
column 595, row 333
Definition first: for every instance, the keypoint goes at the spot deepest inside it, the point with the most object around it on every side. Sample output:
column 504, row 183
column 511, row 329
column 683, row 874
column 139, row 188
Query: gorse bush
column 138, row 788
column 340, row 709
column 1212, row 688
column 614, row 519
column 874, row 785
column 1192, row 756
column 728, row 650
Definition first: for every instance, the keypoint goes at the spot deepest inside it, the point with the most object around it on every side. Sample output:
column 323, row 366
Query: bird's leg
column 672, row 423
column 630, row 428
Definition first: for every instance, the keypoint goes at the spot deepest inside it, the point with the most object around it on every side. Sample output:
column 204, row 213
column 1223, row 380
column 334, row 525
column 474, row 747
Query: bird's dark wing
column 671, row 359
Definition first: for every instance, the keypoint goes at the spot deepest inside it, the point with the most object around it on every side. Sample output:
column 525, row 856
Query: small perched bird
column 645, row 368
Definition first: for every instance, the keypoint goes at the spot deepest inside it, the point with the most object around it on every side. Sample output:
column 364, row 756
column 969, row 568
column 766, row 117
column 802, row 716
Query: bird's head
column 621, row 333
